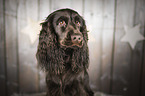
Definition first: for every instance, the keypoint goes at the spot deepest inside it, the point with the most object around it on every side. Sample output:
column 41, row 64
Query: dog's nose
column 76, row 39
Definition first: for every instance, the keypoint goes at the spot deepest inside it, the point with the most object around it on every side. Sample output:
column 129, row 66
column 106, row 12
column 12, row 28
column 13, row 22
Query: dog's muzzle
column 77, row 40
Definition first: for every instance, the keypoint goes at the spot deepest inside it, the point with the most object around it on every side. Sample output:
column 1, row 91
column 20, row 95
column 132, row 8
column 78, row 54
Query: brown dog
column 63, row 53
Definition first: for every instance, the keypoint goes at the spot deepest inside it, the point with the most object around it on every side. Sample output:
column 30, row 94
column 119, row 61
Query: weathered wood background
column 115, row 68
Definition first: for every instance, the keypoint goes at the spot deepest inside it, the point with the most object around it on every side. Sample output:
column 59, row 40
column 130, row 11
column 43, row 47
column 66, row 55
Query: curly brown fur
column 63, row 54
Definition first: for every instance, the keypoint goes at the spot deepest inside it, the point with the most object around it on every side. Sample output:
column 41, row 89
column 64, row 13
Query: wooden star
column 32, row 29
column 132, row 35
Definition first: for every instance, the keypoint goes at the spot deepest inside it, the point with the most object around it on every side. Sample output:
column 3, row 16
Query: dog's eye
column 78, row 23
column 62, row 23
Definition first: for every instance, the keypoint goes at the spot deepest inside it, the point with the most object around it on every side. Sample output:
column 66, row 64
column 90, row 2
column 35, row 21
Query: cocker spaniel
column 63, row 54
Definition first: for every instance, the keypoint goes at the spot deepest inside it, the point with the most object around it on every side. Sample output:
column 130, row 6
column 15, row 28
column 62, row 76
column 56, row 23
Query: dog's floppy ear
column 49, row 54
column 84, row 31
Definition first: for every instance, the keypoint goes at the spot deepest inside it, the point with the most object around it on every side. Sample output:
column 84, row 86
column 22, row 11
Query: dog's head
column 68, row 26
column 63, row 38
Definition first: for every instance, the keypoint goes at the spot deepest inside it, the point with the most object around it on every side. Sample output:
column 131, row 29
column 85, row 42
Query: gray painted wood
column 55, row 4
column 21, row 37
column 140, row 18
column 77, row 5
column 11, row 46
column 2, row 51
column 107, row 44
column 137, row 54
column 142, row 86
column 44, row 9
column 123, row 52
column 93, row 13
column 28, row 73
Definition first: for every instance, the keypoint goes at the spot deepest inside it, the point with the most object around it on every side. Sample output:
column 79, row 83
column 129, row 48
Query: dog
column 63, row 54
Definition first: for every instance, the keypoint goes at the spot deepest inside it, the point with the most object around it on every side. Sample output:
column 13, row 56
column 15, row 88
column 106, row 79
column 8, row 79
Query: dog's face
column 68, row 25
column 62, row 40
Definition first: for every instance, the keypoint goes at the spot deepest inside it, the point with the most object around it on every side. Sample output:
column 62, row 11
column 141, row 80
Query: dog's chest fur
column 68, row 74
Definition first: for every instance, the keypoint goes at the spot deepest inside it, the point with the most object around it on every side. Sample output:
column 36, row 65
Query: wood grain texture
column 137, row 53
column 2, row 51
column 11, row 45
column 142, row 83
column 44, row 9
column 93, row 13
column 78, row 6
column 107, row 44
column 140, row 10
column 28, row 73
column 57, row 4
column 122, row 53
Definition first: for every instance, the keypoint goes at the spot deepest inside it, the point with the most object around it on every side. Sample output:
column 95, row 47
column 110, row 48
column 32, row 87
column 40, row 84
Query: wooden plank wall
column 115, row 68
column 122, row 66
column 27, row 50
column 127, row 62
column 11, row 46
column 138, row 53
column 2, row 50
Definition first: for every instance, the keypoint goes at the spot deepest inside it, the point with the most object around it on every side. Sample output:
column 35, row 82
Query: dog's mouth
column 70, row 44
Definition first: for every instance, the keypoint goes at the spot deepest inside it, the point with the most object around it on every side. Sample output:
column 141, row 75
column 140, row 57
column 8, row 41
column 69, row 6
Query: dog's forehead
column 65, row 13
column 61, row 13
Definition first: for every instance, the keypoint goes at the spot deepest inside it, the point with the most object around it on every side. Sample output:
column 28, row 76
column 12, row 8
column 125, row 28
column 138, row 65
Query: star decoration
column 132, row 35
column 32, row 30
